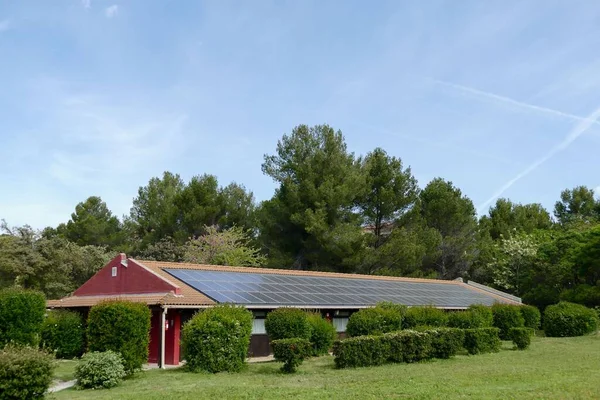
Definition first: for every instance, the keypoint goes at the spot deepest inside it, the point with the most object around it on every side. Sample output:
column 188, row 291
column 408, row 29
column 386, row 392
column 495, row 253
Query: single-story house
column 175, row 291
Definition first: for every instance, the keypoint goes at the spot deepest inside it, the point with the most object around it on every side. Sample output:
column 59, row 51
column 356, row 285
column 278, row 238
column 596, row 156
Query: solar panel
column 279, row 289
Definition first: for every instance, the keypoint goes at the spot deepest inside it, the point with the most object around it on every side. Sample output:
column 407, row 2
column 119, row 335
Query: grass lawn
column 65, row 370
column 551, row 369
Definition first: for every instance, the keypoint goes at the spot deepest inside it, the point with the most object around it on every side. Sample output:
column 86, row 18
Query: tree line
column 332, row 210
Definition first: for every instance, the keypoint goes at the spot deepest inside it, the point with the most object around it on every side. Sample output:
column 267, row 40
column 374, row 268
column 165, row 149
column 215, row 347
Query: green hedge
column 287, row 323
column 361, row 351
column 476, row 316
column 482, row 340
column 569, row 319
column 21, row 316
column 406, row 346
column 424, row 316
column 383, row 318
column 521, row 337
column 25, row 373
column 291, row 352
column 446, row 342
column 531, row 317
column 123, row 327
column 62, row 333
column 409, row 346
column 322, row 334
column 99, row 370
column 507, row 316
column 217, row 339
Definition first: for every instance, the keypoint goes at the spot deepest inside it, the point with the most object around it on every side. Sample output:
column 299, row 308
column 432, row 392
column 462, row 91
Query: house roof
column 187, row 295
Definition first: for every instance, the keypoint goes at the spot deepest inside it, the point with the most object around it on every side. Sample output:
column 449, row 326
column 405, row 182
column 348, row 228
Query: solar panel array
column 310, row 291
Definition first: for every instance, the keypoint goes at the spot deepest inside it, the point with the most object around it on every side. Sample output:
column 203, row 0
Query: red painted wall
column 172, row 338
column 154, row 346
column 132, row 279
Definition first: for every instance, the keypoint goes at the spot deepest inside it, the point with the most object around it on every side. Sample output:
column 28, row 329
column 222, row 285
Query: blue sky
column 97, row 97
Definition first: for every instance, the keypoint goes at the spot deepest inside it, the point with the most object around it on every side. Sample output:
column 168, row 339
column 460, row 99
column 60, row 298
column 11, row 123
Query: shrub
column 26, row 373
column 291, row 352
column 62, row 333
column 384, row 317
column 446, row 342
column 507, row 316
column 482, row 340
column 361, row 351
column 521, row 337
column 123, row 327
column 531, row 316
column 21, row 316
column 461, row 319
column 569, row 319
column 217, row 339
column 322, row 334
column 427, row 316
column 99, row 370
column 409, row 346
column 482, row 316
column 287, row 323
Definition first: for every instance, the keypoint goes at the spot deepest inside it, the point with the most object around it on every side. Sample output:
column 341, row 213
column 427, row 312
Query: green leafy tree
column 228, row 247
column 92, row 223
column 507, row 218
column 390, row 191
column 238, row 207
column 443, row 207
column 197, row 206
column 577, row 205
column 309, row 222
column 154, row 213
column 515, row 256
column 166, row 249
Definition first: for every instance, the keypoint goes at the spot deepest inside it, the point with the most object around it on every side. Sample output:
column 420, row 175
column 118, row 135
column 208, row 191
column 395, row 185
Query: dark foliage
column 521, row 337
column 21, row 316
column 217, row 339
column 63, row 334
column 531, row 316
column 569, row 319
column 322, row 334
column 424, row 316
column 507, row 316
column 291, row 352
column 25, row 373
column 482, row 340
column 287, row 323
column 123, row 327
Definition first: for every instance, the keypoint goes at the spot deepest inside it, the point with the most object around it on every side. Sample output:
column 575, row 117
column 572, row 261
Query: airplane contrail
column 508, row 100
column 575, row 133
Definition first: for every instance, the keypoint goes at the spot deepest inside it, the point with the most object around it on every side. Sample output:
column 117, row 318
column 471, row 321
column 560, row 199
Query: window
column 340, row 324
column 114, row 271
column 258, row 327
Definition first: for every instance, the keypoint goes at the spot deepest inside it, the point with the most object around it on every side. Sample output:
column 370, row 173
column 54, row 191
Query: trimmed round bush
column 363, row 351
column 424, row 316
column 217, row 339
column 521, row 337
column 99, row 370
column 25, row 373
column 507, row 316
column 461, row 319
column 291, row 352
column 62, row 333
column 446, row 342
column 21, row 316
column 287, row 323
column 531, row 317
column 322, row 334
column 123, row 327
column 482, row 340
column 482, row 316
column 569, row 319
column 378, row 320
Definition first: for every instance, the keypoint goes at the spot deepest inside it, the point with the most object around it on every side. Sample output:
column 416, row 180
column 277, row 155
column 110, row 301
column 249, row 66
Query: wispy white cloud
column 86, row 3
column 509, row 101
column 111, row 11
column 5, row 25
column 573, row 135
